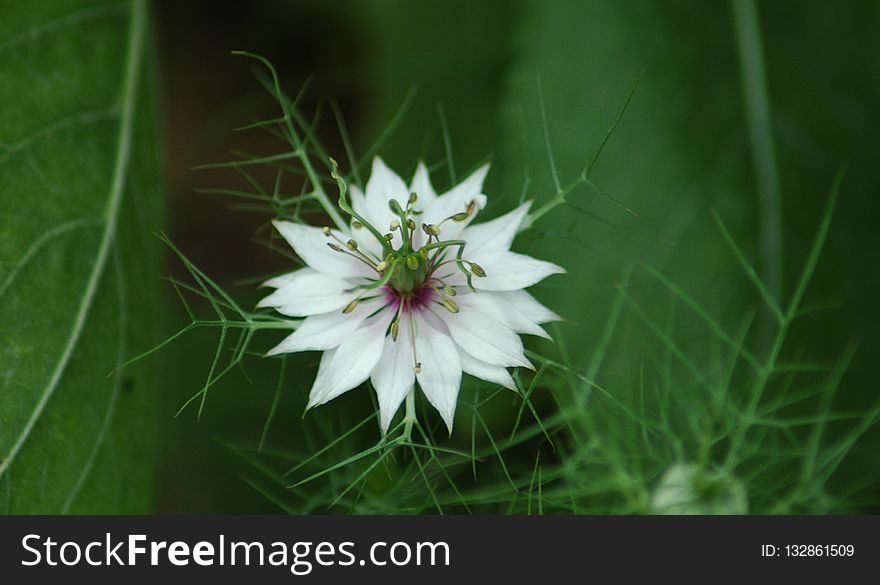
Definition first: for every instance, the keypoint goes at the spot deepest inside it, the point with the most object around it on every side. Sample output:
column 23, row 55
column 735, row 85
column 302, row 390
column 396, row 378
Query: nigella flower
column 424, row 301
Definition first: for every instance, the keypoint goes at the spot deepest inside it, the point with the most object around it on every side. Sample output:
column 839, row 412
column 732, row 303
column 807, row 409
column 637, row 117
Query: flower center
column 406, row 275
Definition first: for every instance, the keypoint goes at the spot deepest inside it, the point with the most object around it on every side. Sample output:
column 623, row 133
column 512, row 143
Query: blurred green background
column 509, row 78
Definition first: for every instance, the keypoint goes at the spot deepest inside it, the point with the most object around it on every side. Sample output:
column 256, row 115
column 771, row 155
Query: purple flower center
column 417, row 300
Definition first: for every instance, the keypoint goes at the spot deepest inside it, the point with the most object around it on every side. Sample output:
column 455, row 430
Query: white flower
column 421, row 302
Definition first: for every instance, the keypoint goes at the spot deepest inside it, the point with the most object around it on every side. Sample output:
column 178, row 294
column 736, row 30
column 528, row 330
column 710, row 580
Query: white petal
column 323, row 375
column 325, row 331
column 394, row 375
column 310, row 244
column 309, row 292
column 499, row 307
column 512, row 271
column 528, row 306
column 483, row 371
column 421, row 186
column 353, row 361
column 279, row 281
column 440, row 375
column 456, row 201
column 485, row 337
column 383, row 186
column 495, row 235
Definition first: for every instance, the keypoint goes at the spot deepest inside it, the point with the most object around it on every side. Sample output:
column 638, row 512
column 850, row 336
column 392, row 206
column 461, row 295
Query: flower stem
column 410, row 415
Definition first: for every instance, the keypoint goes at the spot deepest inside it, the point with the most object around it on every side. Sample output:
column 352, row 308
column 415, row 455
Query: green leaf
column 78, row 266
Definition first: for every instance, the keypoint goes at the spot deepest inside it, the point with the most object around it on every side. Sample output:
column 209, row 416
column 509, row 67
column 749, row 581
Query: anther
column 418, row 368
column 431, row 229
column 394, row 225
column 395, row 329
column 412, row 261
column 350, row 307
column 326, row 230
column 477, row 270
column 352, row 245
column 449, row 290
column 450, row 305
column 335, row 247
column 413, row 198
column 381, row 266
column 357, row 225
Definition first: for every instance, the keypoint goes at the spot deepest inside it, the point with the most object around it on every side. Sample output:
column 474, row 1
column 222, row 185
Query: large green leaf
column 78, row 200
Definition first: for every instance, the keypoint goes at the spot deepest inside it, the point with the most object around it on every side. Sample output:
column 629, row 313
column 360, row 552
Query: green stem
column 410, row 416
column 757, row 105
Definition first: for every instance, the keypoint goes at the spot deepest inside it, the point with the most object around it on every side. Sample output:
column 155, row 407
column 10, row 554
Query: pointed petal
column 354, row 359
column 485, row 338
column 309, row 292
column 494, row 304
column 483, row 371
column 325, row 331
column 323, row 375
column 421, row 186
column 495, row 235
column 511, row 271
column 529, row 306
column 383, row 186
column 440, row 375
column 456, row 201
column 310, row 244
column 394, row 376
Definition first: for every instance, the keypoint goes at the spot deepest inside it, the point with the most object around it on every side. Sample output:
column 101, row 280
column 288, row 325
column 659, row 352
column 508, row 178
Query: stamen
column 450, row 305
column 417, row 365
